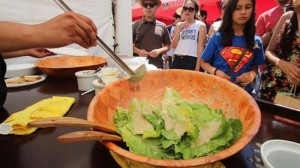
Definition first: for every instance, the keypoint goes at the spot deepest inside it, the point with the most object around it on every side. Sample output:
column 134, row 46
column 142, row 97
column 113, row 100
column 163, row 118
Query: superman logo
column 232, row 54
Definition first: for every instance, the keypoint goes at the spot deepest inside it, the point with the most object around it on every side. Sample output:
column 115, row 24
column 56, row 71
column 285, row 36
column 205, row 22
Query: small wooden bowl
column 195, row 86
column 66, row 66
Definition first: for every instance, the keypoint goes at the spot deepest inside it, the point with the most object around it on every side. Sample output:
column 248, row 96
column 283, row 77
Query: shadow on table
column 101, row 157
column 59, row 86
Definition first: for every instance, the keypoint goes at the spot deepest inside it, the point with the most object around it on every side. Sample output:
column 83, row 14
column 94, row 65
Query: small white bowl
column 108, row 72
column 99, row 86
column 280, row 154
column 110, row 79
column 85, row 79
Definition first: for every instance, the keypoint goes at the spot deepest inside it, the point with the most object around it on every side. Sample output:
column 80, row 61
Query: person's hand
column 143, row 53
column 154, row 53
column 246, row 78
column 66, row 29
column 36, row 52
column 183, row 26
column 223, row 75
column 39, row 52
column 291, row 70
column 296, row 5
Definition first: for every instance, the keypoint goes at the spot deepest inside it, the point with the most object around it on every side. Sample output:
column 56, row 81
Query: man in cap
column 150, row 36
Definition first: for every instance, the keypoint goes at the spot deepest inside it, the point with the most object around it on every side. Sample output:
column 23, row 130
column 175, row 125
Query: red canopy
column 166, row 10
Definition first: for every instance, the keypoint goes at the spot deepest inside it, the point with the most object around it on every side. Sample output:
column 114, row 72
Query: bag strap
column 238, row 61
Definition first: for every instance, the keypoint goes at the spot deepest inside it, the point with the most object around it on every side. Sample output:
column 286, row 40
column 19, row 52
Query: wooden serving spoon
column 80, row 136
column 69, row 121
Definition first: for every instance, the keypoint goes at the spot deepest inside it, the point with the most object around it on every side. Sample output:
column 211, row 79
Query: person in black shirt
column 3, row 88
column 202, row 16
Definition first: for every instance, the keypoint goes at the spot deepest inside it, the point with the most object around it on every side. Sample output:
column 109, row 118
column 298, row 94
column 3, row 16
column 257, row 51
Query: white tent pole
column 123, row 27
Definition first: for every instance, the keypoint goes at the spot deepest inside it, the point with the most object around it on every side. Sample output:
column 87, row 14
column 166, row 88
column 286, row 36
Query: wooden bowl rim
column 38, row 63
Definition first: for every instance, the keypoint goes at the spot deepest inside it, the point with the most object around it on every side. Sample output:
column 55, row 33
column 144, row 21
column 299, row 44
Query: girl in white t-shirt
column 189, row 39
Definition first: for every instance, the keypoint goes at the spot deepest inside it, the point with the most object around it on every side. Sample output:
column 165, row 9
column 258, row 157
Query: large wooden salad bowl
column 195, row 86
column 66, row 66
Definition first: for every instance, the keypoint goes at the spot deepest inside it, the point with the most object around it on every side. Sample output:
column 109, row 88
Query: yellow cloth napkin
column 52, row 107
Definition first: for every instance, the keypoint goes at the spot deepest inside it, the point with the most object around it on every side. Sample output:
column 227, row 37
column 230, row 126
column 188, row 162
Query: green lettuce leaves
column 177, row 129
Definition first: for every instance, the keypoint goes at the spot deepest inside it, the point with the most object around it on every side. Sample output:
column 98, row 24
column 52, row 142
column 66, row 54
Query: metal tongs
column 135, row 76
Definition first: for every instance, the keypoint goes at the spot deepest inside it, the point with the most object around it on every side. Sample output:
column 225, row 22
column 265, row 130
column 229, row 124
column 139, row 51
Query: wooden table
column 40, row 149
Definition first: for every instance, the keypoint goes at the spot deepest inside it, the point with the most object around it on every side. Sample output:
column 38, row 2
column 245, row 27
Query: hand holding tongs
column 135, row 76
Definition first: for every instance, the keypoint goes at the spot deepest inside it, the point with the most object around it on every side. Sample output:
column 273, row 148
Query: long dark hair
column 288, row 35
column 226, row 29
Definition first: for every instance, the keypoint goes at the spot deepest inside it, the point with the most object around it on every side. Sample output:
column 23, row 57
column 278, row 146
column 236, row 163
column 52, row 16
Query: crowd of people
column 260, row 55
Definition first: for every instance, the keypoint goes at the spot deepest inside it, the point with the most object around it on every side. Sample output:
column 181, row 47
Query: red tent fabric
column 166, row 10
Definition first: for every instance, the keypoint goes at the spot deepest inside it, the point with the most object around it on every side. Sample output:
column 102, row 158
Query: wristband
column 215, row 72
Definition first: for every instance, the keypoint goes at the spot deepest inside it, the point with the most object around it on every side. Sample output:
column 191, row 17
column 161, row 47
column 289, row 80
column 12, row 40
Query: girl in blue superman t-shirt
column 236, row 33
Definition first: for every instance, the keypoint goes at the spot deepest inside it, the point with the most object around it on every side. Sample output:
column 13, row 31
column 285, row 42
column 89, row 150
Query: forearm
column 298, row 19
column 210, row 32
column 266, row 38
column 175, row 39
column 207, row 67
column 197, row 68
column 201, row 44
column 135, row 49
column 199, row 52
column 272, row 57
column 164, row 49
column 14, row 54
column 16, row 36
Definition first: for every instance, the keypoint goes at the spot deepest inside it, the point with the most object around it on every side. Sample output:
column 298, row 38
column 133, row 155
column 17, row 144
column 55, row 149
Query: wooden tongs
column 78, row 136
column 135, row 76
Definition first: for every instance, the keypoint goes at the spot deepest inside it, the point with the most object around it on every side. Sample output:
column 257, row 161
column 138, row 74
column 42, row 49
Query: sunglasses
column 190, row 9
column 151, row 5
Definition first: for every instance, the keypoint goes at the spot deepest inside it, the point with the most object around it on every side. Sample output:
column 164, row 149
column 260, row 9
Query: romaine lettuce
column 178, row 129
